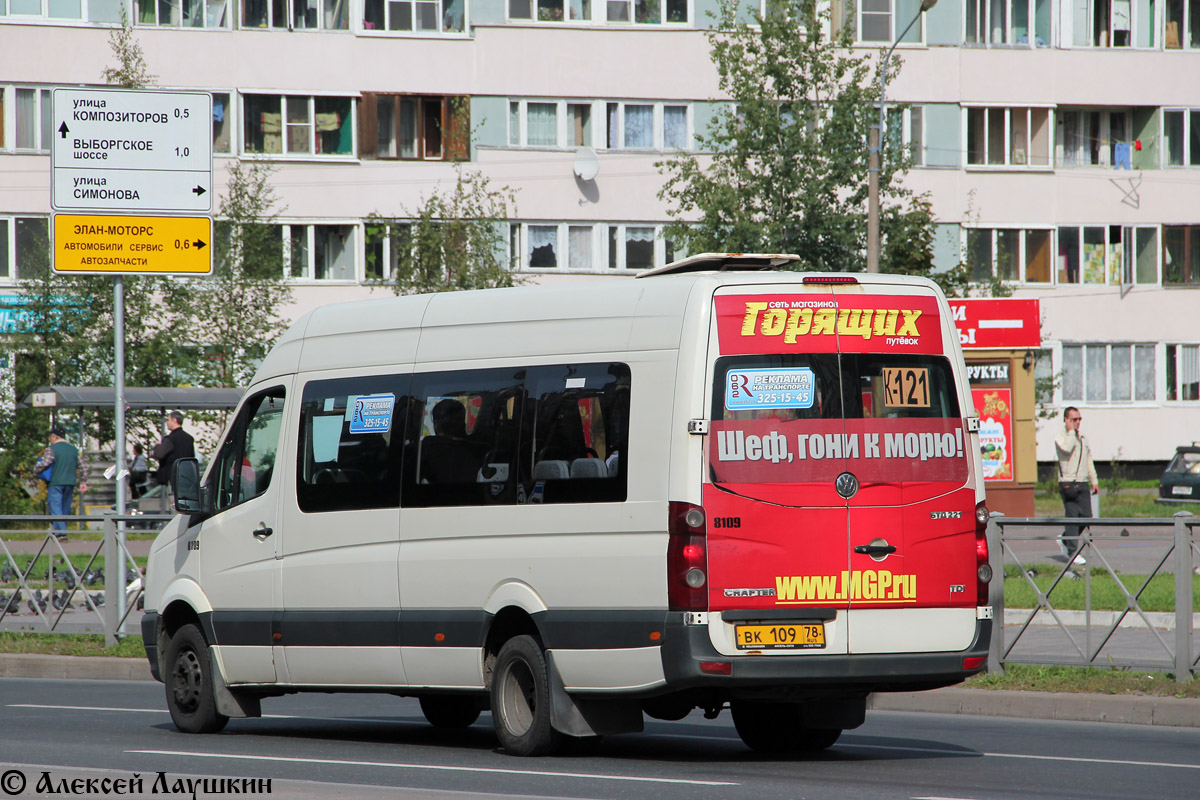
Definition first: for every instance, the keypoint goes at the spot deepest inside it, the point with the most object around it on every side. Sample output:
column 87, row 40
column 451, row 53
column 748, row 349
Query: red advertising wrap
column 837, row 427
column 875, row 450
column 860, row 323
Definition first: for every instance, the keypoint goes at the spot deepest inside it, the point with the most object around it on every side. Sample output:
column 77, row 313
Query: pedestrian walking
column 1076, row 480
column 67, row 470
column 175, row 445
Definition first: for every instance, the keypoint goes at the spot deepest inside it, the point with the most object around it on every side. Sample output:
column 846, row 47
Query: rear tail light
column 687, row 558
column 983, row 567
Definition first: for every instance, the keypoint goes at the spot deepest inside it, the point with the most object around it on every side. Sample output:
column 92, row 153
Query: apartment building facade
column 1059, row 141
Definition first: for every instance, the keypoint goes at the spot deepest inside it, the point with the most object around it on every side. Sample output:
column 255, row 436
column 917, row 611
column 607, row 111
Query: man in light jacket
column 1076, row 480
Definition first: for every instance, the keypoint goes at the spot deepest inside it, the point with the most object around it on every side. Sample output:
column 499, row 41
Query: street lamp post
column 874, row 146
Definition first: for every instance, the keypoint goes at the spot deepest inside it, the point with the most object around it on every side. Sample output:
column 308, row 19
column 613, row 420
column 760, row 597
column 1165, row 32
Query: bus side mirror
column 185, row 477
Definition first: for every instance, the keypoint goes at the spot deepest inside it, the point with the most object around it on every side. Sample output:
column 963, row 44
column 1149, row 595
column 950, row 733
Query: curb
column 1129, row 709
column 29, row 665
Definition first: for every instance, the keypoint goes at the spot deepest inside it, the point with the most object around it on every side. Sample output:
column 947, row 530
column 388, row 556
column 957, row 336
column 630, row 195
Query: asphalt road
column 370, row 746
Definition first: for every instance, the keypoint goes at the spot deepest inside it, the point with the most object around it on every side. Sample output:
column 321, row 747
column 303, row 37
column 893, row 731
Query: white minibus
column 720, row 485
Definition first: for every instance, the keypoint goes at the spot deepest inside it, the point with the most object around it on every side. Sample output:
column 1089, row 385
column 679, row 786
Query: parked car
column 1181, row 480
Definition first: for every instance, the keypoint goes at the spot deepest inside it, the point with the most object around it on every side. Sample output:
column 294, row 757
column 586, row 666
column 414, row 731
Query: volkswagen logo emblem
column 846, row 485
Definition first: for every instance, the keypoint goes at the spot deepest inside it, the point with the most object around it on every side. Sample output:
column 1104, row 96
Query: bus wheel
column 190, row 696
column 779, row 728
column 450, row 711
column 521, row 699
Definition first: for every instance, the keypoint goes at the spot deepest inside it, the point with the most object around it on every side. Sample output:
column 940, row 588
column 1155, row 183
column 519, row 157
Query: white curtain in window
column 1143, row 372
column 639, row 126
column 1189, row 371
column 675, row 127
column 543, row 124
column 639, row 248
column 579, row 253
column 514, row 123
column 1072, row 382
column 27, row 119
column 1122, row 372
column 1097, row 372
column 543, row 245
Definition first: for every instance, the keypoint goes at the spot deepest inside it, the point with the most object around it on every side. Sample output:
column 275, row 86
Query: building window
column 222, row 123
column 320, row 252
column 24, row 247
column 30, row 111
column 905, row 129
column 1019, row 22
column 185, row 14
column 1008, row 254
column 875, row 21
column 1112, row 23
column 51, row 9
column 414, row 16
column 297, row 125
column 1094, row 254
column 1181, row 130
column 293, row 14
column 1139, row 255
column 420, row 127
column 1103, row 373
column 1182, row 24
column 643, row 126
column 639, row 12
column 1008, row 137
column 1095, row 138
column 1181, row 255
column 1183, row 372
column 579, row 247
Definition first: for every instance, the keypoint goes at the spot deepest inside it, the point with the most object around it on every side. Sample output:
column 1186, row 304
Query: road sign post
column 122, row 152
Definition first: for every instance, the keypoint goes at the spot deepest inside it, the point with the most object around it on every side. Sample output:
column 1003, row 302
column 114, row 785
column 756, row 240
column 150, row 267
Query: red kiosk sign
column 995, row 324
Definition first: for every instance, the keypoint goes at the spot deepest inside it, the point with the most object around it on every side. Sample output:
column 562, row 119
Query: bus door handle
column 262, row 531
column 875, row 549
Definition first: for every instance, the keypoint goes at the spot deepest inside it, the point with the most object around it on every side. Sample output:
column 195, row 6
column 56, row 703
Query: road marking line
column 164, row 711
column 1070, row 759
column 88, row 708
column 439, row 767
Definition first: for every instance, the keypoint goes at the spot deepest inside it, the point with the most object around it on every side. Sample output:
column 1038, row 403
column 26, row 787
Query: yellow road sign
column 112, row 245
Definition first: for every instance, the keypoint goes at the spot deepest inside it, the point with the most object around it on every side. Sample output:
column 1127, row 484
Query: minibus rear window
column 789, row 387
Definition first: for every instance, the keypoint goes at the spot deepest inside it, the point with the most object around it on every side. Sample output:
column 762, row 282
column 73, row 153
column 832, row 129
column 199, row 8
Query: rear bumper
column 686, row 646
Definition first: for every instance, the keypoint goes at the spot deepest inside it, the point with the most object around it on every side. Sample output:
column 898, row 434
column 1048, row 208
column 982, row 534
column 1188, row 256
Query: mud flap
column 842, row 713
column 229, row 702
column 577, row 716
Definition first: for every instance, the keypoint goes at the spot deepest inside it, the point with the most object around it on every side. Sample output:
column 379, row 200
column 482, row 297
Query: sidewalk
column 954, row 700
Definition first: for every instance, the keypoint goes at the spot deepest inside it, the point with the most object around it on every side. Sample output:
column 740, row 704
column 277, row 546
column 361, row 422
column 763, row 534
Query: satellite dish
column 587, row 165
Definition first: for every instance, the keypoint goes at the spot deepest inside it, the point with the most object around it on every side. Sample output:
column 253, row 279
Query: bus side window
column 579, row 433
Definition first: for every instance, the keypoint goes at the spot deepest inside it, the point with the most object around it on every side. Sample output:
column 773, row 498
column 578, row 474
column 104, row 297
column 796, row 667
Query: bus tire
column 451, row 712
column 521, row 699
column 779, row 728
column 191, row 698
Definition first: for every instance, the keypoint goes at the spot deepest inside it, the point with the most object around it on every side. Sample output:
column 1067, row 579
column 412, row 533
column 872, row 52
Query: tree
column 454, row 240
column 788, row 166
column 131, row 71
column 229, row 320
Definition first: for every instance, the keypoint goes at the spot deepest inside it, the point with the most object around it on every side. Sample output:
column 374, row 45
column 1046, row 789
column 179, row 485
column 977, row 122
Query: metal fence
column 70, row 603
column 1125, row 638
column 56, row 596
